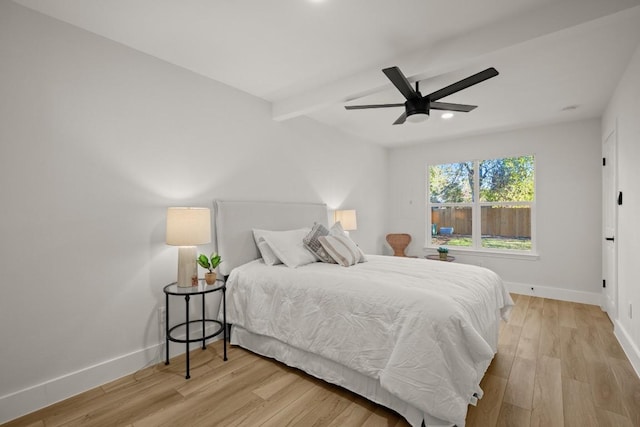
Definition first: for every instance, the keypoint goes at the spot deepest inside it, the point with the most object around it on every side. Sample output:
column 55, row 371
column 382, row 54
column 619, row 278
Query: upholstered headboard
column 234, row 222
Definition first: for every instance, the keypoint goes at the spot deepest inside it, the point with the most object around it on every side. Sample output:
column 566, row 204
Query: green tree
column 505, row 180
column 451, row 183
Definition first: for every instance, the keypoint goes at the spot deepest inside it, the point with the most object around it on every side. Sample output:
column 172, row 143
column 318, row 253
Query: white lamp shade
column 347, row 219
column 188, row 226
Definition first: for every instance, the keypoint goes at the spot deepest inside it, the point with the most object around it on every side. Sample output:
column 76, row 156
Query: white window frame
column 476, row 216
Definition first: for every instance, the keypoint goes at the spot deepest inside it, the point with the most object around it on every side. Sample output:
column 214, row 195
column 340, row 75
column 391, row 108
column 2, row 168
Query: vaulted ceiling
column 559, row 60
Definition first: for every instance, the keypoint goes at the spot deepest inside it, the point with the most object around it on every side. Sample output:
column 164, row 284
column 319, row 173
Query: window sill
column 528, row 256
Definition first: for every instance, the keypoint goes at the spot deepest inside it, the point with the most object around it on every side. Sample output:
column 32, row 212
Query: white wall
column 96, row 141
column 624, row 109
column 568, row 200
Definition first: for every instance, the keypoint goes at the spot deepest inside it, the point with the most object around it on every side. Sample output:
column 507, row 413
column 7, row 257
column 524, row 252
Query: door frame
column 610, row 248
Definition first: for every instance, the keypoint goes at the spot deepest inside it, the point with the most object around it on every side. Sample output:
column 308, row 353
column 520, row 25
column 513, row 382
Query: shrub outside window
column 482, row 205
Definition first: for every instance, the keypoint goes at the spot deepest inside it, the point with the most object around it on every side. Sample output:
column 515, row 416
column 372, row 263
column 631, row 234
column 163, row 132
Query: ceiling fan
column 417, row 106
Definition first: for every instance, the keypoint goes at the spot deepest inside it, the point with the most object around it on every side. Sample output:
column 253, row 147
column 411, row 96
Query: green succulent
column 210, row 263
column 443, row 250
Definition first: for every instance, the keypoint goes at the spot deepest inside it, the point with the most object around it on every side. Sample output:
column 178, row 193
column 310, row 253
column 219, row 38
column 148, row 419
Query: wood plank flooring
column 558, row 364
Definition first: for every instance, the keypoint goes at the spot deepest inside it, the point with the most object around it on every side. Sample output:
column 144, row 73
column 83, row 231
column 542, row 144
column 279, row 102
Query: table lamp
column 347, row 219
column 186, row 228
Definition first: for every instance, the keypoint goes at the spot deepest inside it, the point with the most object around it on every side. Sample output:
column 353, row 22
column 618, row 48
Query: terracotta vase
column 210, row 278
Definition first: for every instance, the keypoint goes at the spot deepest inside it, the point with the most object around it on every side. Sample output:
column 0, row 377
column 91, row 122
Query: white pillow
column 337, row 230
column 266, row 252
column 289, row 248
column 342, row 249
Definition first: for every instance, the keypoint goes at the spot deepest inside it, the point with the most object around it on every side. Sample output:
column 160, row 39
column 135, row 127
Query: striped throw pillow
column 312, row 243
column 342, row 249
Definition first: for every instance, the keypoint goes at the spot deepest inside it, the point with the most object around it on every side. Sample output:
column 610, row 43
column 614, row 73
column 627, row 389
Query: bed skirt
column 333, row 373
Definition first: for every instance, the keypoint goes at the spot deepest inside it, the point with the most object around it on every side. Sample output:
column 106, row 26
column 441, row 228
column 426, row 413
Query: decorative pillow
column 337, row 230
column 312, row 243
column 288, row 247
column 266, row 252
column 342, row 249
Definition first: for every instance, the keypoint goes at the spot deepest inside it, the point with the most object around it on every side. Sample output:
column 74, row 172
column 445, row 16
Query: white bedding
column 424, row 329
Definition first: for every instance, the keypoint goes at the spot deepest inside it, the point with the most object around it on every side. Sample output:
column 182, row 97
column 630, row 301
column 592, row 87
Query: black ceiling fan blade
column 401, row 119
column 362, row 107
column 400, row 81
column 463, row 108
column 463, row 84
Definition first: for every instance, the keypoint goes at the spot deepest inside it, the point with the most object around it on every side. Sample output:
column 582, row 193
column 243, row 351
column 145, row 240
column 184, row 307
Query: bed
column 413, row 335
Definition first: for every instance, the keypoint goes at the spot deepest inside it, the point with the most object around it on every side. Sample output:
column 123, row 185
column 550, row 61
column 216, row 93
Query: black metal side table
column 437, row 258
column 201, row 289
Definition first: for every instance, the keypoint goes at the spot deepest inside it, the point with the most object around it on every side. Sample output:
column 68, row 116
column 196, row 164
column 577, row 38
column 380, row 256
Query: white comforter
column 425, row 329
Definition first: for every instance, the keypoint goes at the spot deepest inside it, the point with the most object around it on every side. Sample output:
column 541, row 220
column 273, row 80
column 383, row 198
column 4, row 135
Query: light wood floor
column 558, row 364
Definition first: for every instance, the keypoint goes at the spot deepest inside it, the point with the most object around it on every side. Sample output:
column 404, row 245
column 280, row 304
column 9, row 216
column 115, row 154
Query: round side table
column 201, row 289
column 437, row 258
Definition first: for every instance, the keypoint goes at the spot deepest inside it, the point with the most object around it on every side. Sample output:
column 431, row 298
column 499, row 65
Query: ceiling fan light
column 417, row 117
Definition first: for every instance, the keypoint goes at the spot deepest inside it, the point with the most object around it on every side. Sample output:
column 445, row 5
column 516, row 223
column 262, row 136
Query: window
column 482, row 204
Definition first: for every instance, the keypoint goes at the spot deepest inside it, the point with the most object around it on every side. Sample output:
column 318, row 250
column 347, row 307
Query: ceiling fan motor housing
column 415, row 106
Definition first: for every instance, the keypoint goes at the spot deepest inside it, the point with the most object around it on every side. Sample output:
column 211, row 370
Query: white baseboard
column 22, row 402
column 31, row 399
column 630, row 349
column 555, row 293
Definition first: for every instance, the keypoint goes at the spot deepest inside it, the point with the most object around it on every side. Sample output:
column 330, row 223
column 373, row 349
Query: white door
column 609, row 226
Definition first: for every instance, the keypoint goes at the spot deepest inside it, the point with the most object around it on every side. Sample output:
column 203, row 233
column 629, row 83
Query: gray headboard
column 235, row 220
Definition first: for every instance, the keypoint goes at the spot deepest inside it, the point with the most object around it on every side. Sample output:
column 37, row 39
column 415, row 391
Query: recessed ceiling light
column 447, row 115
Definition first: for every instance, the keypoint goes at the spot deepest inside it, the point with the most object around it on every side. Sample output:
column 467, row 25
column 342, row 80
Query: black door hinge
column 620, row 198
column 604, row 161
column 604, row 283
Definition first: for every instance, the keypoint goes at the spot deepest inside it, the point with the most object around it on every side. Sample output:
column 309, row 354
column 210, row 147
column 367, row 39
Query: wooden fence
column 498, row 221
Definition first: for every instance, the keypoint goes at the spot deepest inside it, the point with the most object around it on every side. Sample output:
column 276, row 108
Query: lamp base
column 187, row 267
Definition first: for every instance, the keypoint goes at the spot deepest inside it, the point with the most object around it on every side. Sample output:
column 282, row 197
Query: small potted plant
column 443, row 252
column 210, row 263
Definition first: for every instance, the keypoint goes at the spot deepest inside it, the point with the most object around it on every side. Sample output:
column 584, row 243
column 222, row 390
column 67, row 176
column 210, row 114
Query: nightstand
column 201, row 289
